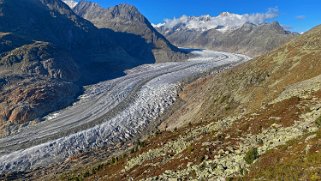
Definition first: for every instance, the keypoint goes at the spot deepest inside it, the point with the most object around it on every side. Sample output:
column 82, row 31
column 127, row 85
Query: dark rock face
column 47, row 53
column 126, row 18
column 44, row 20
column 9, row 41
column 250, row 39
column 40, row 59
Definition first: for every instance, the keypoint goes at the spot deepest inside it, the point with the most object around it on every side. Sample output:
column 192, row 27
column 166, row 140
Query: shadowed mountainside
column 127, row 18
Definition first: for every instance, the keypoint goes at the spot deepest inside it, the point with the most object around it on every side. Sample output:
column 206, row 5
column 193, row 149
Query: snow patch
column 71, row 3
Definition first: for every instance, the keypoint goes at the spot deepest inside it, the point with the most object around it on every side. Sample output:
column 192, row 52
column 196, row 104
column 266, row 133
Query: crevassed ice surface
column 108, row 113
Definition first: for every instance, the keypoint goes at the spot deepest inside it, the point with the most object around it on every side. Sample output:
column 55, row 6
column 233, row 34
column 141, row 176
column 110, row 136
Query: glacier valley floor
column 108, row 113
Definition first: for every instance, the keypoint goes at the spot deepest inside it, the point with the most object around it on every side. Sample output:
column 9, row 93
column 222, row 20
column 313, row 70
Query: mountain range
column 226, row 32
column 48, row 47
column 255, row 120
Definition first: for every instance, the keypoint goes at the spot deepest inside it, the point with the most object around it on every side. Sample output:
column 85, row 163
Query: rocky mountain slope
column 127, row 19
column 48, row 53
column 247, row 38
column 257, row 121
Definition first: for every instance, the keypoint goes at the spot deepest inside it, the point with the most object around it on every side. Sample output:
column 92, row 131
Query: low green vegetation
column 318, row 122
column 251, row 155
column 190, row 148
column 290, row 164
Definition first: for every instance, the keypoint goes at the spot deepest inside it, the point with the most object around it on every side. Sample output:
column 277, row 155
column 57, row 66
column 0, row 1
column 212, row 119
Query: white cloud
column 225, row 20
column 301, row 17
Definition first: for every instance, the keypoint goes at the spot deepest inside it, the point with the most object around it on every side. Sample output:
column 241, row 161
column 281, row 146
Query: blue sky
column 298, row 15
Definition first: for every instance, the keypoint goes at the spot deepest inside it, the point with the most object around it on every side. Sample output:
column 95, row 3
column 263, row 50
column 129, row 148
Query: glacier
column 108, row 113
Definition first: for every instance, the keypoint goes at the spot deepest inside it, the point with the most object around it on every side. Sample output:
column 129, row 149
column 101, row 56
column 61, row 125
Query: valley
column 109, row 113
column 104, row 90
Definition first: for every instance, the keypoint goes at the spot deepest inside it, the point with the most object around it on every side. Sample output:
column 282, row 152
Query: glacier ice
column 108, row 113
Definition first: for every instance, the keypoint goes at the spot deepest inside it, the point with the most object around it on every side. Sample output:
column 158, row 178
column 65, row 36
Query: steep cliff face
column 127, row 19
column 249, row 39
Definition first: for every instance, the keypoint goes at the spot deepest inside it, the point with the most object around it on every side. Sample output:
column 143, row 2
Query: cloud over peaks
column 224, row 21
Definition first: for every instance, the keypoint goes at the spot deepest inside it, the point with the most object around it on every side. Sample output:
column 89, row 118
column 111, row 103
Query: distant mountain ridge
column 226, row 32
column 127, row 19
column 202, row 23
column 223, row 22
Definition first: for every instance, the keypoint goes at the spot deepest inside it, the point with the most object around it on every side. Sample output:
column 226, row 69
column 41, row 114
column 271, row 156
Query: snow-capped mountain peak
column 225, row 14
column 225, row 21
column 71, row 3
